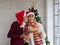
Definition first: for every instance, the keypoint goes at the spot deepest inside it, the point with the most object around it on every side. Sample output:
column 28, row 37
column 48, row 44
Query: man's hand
column 26, row 37
column 22, row 36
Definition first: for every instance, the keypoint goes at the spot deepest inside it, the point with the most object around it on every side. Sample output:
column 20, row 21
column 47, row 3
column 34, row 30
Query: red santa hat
column 29, row 13
column 20, row 16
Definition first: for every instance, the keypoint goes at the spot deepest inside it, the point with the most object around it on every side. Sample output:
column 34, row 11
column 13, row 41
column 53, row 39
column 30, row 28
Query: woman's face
column 30, row 18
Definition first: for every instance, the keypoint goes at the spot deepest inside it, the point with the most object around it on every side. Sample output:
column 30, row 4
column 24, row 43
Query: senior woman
column 33, row 30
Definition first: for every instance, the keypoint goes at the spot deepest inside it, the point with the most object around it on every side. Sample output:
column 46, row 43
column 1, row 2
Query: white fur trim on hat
column 30, row 13
column 24, row 14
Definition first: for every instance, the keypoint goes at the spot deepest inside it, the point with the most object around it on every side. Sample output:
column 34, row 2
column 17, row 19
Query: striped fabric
column 37, row 38
column 36, row 35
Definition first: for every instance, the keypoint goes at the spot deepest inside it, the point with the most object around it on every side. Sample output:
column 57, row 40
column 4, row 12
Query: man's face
column 30, row 18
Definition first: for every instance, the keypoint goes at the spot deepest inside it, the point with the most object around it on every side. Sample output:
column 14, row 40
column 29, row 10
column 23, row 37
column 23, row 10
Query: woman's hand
column 34, row 25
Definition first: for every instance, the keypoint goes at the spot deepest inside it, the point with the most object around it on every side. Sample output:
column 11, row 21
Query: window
column 56, row 22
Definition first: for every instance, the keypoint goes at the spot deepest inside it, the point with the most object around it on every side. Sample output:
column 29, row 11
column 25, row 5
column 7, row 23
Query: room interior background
column 8, row 8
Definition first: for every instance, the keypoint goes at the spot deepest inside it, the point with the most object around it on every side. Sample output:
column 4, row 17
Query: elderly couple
column 26, row 29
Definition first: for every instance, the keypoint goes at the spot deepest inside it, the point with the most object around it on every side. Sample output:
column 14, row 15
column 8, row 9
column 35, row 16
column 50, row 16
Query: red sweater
column 14, row 34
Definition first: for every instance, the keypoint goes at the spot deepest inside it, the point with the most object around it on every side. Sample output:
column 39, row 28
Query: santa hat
column 29, row 13
column 20, row 16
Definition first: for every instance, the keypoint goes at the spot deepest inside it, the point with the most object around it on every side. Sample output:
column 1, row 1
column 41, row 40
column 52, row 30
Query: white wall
column 8, row 8
column 50, row 20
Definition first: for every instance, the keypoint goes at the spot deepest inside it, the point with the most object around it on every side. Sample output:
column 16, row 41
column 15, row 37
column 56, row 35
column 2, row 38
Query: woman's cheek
column 32, row 20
